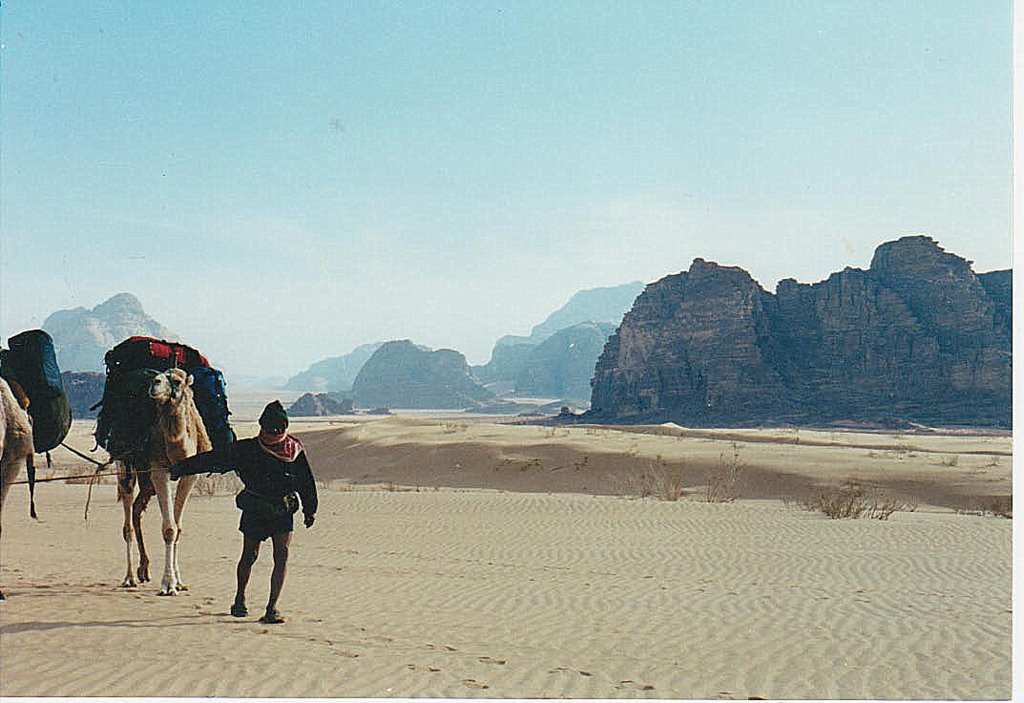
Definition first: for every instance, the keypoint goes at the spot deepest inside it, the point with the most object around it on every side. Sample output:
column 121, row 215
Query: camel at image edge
column 15, row 442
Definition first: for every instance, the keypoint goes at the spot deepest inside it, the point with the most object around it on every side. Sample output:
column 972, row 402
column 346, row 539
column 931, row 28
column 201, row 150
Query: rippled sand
column 472, row 593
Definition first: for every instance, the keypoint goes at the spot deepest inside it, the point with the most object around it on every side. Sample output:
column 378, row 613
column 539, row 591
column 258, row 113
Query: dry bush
column 216, row 484
column 723, row 484
column 453, row 427
column 952, row 460
column 656, row 479
column 1001, row 506
column 853, row 500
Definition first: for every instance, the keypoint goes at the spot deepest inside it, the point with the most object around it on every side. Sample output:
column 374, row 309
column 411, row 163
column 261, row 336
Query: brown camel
column 178, row 433
column 15, row 441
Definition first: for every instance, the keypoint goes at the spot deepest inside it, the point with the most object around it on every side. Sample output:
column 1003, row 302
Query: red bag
column 140, row 352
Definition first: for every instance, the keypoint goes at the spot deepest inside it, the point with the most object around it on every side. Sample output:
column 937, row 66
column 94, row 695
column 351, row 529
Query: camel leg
column 185, row 484
column 125, row 489
column 161, row 481
column 138, row 507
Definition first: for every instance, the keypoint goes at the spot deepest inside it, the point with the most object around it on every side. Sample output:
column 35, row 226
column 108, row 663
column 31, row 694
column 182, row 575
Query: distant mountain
column 593, row 305
column 336, row 373
column 81, row 336
column 917, row 337
column 562, row 365
column 596, row 305
column 401, row 374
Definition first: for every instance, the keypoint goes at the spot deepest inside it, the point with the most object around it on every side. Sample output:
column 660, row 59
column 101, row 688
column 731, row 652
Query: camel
column 177, row 434
column 15, row 441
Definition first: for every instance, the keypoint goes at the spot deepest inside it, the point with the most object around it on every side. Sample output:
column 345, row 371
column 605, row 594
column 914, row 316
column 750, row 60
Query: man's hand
column 308, row 521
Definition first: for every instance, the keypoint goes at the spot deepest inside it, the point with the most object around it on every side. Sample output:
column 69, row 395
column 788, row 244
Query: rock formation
column 81, row 337
column 336, row 373
column 917, row 337
column 563, row 364
column 310, row 405
column 84, row 389
column 401, row 374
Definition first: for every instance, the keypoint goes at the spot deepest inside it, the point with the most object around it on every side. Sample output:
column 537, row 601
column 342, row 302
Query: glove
column 308, row 520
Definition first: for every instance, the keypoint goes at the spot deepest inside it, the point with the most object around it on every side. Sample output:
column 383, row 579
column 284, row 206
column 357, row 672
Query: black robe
column 261, row 472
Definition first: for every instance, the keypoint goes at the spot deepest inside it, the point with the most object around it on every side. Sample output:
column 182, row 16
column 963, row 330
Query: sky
column 281, row 182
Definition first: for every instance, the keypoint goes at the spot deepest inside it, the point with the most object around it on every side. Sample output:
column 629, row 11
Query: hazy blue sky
column 279, row 182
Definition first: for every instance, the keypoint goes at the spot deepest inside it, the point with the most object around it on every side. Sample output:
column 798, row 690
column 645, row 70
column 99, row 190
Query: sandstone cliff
column 916, row 337
column 402, row 375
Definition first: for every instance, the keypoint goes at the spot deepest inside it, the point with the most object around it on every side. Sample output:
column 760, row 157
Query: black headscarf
column 274, row 415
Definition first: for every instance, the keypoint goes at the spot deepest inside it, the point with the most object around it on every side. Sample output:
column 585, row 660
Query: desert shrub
column 655, row 479
column 453, row 427
column 1001, row 506
column 852, row 500
column 723, row 483
column 216, row 484
column 952, row 460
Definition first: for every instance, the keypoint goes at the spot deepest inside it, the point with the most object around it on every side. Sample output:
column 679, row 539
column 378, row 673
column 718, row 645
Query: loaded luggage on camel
column 126, row 409
column 30, row 368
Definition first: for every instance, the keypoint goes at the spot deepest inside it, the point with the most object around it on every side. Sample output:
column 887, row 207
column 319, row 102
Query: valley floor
column 464, row 558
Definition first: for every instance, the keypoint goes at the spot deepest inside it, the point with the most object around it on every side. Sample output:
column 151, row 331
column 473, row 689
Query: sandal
column 239, row 610
column 272, row 617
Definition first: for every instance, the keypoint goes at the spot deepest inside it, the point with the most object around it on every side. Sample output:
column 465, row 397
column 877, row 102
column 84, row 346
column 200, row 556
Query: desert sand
column 469, row 557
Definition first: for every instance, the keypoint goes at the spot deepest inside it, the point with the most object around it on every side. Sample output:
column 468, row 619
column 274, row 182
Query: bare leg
column 250, row 550
column 185, row 484
column 138, row 507
column 281, row 542
column 168, row 584
column 125, row 489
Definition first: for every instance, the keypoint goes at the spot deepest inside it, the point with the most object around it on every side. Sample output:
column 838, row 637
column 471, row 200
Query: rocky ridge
column 917, row 337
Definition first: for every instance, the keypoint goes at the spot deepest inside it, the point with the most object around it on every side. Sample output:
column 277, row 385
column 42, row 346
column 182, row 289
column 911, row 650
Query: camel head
column 170, row 387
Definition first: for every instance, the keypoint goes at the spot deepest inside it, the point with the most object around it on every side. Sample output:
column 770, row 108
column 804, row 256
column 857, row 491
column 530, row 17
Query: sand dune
column 469, row 590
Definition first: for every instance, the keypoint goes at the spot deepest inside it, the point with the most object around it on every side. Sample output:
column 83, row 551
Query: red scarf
column 280, row 446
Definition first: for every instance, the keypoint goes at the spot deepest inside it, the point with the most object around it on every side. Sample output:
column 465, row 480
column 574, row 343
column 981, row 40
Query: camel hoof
column 182, row 587
column 170, row 592
column 143, row 573
column 128, row 583
column 2, row 596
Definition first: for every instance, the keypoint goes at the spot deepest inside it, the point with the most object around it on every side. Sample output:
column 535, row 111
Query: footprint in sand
column 414, row 667
column 444, row 647
column 630, row 684
column 488, row 660
column 473, row 683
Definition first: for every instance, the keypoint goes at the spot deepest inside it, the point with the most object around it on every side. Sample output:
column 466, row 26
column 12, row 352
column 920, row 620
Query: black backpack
column 127, row 413
column 31, row 362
